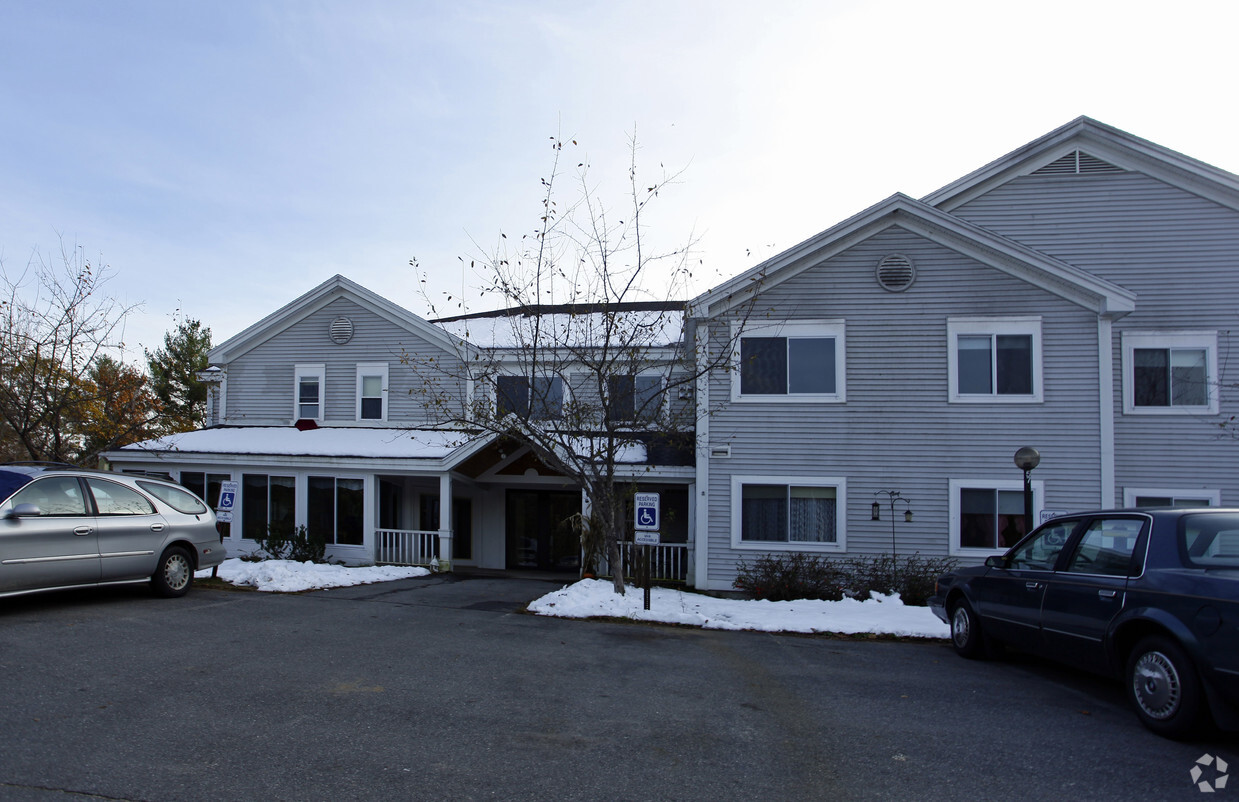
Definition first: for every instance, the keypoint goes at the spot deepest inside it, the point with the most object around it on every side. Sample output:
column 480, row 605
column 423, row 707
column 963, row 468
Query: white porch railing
column 405, row 547
column 668, row 562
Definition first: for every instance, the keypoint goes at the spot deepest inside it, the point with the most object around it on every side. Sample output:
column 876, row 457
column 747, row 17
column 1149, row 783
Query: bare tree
column 55, row 323
column 589, row 364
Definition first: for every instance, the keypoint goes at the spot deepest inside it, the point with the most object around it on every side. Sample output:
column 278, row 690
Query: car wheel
column 174, row 574
column 1163, row 687
column 966, row 635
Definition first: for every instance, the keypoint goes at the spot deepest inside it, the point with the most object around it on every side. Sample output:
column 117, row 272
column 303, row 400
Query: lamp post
column 1026, row 459
column 876, row 514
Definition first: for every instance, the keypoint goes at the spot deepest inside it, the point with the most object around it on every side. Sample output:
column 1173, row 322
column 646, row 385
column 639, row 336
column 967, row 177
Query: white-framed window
column 987, row 515
column 788, row 513
column 994, row 359
column 267, row 503
column 372, row 391
column 792, row 361
column 1170, row 497
column 308, row 385
column 635, row 398
column 540, row 399
column 1170, row 373
column 335, row 509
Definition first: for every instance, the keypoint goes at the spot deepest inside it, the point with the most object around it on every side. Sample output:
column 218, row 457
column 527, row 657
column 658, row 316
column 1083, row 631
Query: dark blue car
column 1151, row 596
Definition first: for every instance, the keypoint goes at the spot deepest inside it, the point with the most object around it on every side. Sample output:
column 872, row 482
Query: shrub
column 797, row 575
column 791, row 576
column 282, row 543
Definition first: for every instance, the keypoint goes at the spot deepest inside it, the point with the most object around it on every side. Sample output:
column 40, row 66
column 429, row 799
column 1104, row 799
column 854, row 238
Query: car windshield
column 10, row 481
column 1210, row 541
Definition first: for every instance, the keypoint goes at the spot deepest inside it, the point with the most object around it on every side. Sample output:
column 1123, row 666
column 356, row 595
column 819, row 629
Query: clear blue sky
column 225, row 157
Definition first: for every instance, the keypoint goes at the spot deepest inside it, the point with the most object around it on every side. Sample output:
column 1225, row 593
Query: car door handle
column 1106, row 594
column 81, row 530
column 156, row 527
column 1032, row 585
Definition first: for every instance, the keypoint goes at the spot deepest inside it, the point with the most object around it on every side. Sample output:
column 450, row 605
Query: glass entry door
column 540, row 534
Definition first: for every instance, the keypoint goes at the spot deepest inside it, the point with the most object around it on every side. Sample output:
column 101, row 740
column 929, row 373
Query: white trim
column 833, row 329
column 1105, row 408
column 1169, row 340
column 1214, row 497
column 319, row 371
column 955, row 326
column 953, row 520
column 367, row 369
column 839, row 484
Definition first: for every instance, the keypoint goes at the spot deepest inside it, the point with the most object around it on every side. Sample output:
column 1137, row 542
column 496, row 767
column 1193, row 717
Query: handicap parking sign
column 646, row 511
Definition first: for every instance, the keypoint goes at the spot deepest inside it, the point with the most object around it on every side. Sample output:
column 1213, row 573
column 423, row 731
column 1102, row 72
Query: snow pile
column 288, row 576
column 883, row 615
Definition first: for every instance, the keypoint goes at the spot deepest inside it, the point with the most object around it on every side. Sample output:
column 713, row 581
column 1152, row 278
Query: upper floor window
column 541, row 399
column 372, row 391
column 1170, row 497
column 994, row 359
column 308, row 392
column 1169, row 372
column 634, row 398
column 792, row 361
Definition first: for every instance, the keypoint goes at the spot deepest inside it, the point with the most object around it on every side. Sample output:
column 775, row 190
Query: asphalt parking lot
column 439, row 689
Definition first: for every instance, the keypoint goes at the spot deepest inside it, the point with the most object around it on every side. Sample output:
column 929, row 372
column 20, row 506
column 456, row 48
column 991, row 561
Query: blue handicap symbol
column 647, row 516
column 225, row 500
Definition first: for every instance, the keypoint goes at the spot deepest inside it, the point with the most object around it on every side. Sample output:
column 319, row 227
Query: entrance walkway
column 491, row 592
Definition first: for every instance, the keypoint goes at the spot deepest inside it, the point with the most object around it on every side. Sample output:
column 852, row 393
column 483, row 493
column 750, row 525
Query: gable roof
column 330, row 290
column 1104, row 142
column 1065, row 280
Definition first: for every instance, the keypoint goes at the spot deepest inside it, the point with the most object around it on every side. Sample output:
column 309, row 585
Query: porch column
column 445, row 522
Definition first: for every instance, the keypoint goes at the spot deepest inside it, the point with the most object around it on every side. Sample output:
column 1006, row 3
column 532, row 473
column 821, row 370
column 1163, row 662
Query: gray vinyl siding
column 897, row 430
column 1180, row 254
column 260, row 382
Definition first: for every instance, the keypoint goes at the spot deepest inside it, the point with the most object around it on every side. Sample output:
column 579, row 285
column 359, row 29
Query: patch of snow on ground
column 883, row 615
column 288, row 576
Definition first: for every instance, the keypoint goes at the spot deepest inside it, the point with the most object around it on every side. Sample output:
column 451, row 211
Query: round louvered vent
column 341, row 330
column 896, row 272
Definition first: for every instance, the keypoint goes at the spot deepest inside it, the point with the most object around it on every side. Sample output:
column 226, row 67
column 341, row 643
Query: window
column 55, row 495
column 308, row 392
column 206, row 486
column 775, row 513
column 987, row 516
column 1041, row 551
column 372, row 391
column 994, row 359
column 115, row 499
column 1166, row 497
column 334, row 509
column 541, row 399
column 1210, row 541
column 1106, row 547
column 794, row 362
column 267, row 502
column 176, row 498
column 634, row 398
column 1169, row 373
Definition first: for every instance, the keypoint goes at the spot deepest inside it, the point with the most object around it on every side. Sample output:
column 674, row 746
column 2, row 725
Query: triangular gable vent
column 1078, row 163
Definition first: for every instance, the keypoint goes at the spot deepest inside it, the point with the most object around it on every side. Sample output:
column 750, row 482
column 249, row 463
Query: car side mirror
column 23, row 511
column 996, row 561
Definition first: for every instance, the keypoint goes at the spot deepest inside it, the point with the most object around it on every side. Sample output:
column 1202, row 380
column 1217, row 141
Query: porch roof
column 386, row 443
